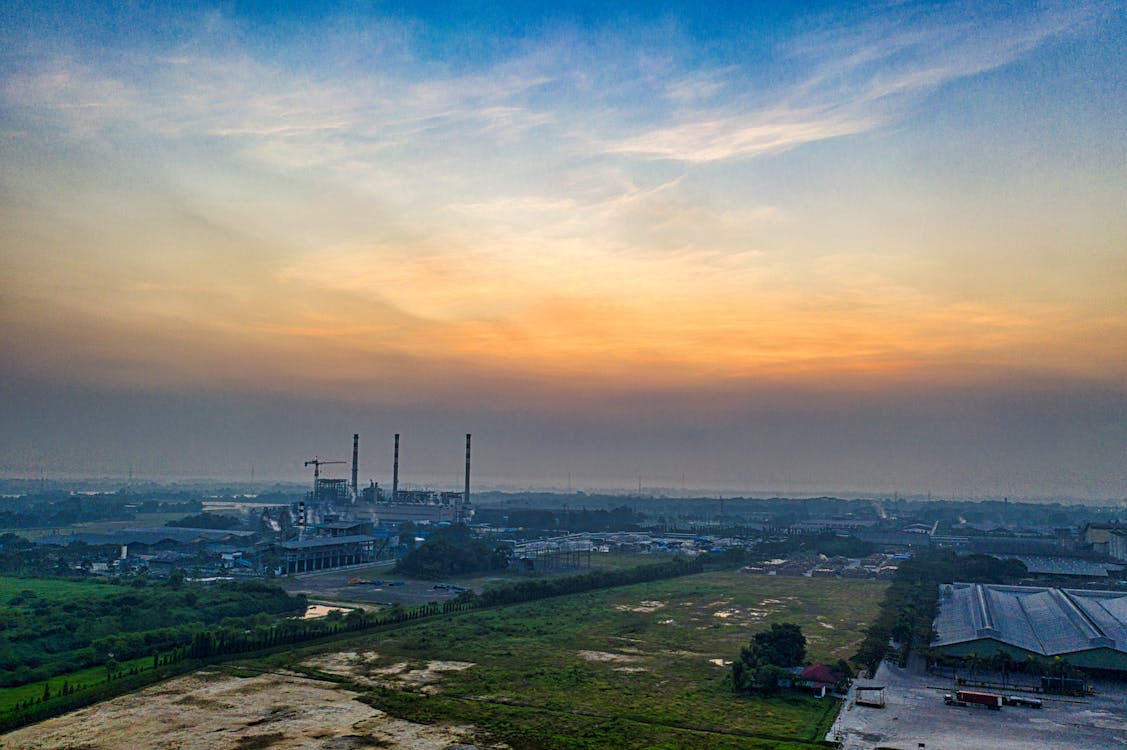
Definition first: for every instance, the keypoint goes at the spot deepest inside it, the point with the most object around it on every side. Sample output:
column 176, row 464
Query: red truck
column 966, row 697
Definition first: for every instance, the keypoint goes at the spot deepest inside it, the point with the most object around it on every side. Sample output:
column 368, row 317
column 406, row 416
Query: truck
column 992, row 701
column 1063, row 685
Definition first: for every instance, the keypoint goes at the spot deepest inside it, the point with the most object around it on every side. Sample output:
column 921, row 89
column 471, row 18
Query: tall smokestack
column 395, row 472
column 355, row 461
column 466, row 495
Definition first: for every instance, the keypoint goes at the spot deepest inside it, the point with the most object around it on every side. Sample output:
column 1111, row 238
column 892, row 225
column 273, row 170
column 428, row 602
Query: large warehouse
column 1085, row 628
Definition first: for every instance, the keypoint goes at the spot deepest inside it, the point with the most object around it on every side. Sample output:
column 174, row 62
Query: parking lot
column 387, row 587
column 915, row 717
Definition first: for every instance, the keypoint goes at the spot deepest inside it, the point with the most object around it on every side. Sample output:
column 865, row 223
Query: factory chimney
column 395, row 473
column 466, row 494
column 355, row 461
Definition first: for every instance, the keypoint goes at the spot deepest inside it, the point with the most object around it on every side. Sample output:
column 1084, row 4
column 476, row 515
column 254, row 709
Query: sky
column 746, row 248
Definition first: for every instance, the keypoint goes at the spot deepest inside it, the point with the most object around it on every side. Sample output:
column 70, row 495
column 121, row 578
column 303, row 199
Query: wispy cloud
column 712, row 139
column 851, row 77
column 547, row 202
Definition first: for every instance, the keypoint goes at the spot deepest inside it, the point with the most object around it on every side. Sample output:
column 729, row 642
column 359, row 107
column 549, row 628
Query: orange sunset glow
column 311, row 226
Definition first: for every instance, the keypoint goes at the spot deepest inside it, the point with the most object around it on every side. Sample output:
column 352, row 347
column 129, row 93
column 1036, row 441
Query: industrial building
column 323, row 552
column 338, row 497
column 335, row 522
column 1084, row 628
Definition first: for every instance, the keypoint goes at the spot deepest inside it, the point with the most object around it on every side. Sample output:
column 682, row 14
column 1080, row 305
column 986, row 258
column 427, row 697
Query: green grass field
column 637, row 666
column 51, row 589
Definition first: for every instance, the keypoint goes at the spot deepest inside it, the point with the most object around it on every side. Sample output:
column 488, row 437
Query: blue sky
column 637, row 221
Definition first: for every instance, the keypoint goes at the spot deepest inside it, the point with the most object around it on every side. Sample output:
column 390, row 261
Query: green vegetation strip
column 52, row 628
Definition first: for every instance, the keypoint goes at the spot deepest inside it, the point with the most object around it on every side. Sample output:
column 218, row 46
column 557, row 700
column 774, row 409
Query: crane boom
column 317, row 463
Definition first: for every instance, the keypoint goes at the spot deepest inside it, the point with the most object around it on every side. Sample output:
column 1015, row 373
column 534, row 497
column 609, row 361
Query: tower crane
column 317, row 463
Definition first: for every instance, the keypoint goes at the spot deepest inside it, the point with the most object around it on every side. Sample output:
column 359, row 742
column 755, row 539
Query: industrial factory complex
column 340, row 523
column 374, row 504
column 1084, row 628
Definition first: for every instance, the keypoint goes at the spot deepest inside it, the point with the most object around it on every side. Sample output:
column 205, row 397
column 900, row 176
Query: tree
column 762, row 661
column 783, row 645
column 451, row 550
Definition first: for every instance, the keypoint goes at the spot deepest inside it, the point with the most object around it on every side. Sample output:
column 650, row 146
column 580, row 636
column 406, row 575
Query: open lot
column 915, row 713
column 216, row 710
column 635, row 666
column 334, row 586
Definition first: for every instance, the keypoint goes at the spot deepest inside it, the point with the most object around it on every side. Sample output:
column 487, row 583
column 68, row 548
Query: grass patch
column 51, row 589
column 88, row 678
column 624, row 667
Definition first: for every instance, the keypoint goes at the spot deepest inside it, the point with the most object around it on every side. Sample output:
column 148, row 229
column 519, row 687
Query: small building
column 819, row 678
column 1098, row 535
column 1117, row 544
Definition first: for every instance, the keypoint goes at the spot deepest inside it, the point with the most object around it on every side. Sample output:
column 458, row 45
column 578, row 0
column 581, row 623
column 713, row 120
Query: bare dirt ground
column 365, row 668
column 212, row 710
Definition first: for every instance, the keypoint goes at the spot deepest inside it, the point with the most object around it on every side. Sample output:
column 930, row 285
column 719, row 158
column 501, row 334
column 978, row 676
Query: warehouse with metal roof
column 1084, row 628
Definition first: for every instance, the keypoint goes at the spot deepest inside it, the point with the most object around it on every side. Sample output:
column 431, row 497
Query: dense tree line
column 41, row 637
column 826, row 543
column 208, row 521
column 58, row 509
column 911, row 602
column 452, row 551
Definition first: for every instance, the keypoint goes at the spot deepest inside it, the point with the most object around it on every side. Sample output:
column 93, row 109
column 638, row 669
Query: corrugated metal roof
column 1044, row 621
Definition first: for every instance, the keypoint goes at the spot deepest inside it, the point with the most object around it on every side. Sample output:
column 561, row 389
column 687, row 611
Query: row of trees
column 911, row 602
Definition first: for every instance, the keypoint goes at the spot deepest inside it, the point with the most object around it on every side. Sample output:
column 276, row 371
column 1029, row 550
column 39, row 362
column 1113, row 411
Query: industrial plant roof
column 325, row 541
column 1044, row 621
